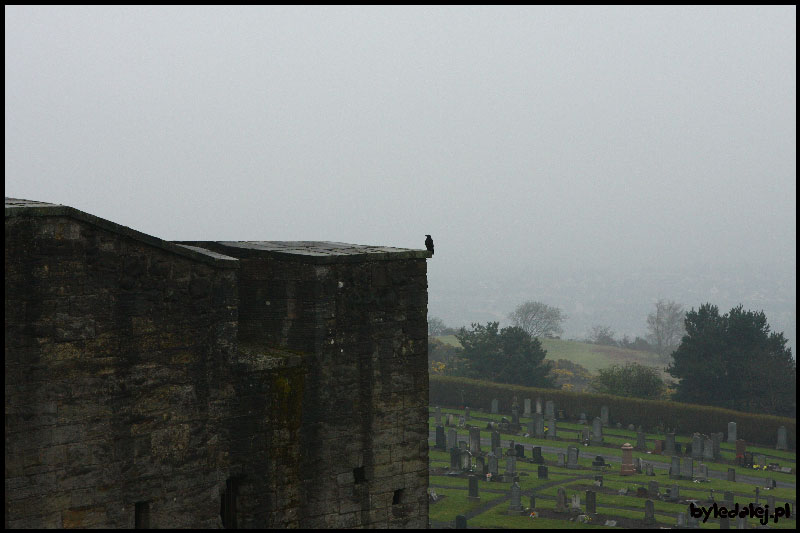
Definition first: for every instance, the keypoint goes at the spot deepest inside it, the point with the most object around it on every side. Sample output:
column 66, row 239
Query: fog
column 594, row 158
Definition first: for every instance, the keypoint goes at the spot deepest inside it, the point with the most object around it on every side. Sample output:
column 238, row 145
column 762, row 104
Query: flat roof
column 321, row 252
column 17, row 207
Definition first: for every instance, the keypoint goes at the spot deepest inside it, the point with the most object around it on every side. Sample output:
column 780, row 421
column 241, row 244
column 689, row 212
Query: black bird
column 429, row 244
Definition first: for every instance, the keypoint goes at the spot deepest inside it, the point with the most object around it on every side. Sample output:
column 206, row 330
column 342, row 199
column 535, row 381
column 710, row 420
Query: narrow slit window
column 142, row 515
column 227, row 506
column 359, row 475
column 397, row 498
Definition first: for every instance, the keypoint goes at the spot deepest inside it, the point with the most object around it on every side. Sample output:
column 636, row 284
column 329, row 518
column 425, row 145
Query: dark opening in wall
column 141, row 515
column 359, row 474
column 227, row 505
column 397, row 497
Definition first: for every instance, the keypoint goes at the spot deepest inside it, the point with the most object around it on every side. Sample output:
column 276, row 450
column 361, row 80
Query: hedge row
column 448, row 391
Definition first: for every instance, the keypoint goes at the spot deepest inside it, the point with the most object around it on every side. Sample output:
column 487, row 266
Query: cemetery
column 537, row 467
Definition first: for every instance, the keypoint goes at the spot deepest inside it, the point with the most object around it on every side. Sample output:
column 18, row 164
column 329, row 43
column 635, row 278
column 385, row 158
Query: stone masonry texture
column 284, row 382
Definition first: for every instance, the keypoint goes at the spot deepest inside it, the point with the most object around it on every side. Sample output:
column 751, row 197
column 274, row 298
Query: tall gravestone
column 669, row 444
column 649, row 512
column 473, row 489
column 716, row 439
column 708, row 449
column 538, row 426
column 480, row 465
column 451, row 439
column 437, row 416
column 549, row 409
column 466, row 413
column 640, row 441
column 516, row 499
column 536, row 453
column 475, row 440
column 492, row 464
column 731, row 432
column 515, row 416
column 538, row 406
column 561, row 500
column 527, row 407
column 597, row 432
column 687, row 468
column 552, row 432
column 697, row 446
column 572, row 457
column 782, row 443
column 461, row 522
column 455, row 458
column 604, row 415
column 562, row 460
column 441, row 439
column 627, row 468
column 495, row 409
column 495, row 440
column 591, row 502
column 652, row 489
column 675, row 467
column 541, row 472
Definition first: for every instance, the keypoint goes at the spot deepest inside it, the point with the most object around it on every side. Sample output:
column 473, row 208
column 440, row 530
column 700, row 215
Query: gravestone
column 652, row 489
column 455, row 458
column 515, row 416
column 597, row 432
column 541, row 472
column 598, row 481
column 495, row 440
column 575, row 506
column 480, row 465
column 475, row 440
column 516, row 499
column 538, row 406
column 530, row 428
column 669, row 444
column 561, row 501
column 674, row 493
column 658, row 447
column 461, row 521
column 561, row 414
column 640, row 441
column 495, row 410
column 702, row 473
column 538, row 426
column 582, row 419
column 537, row 455
column 552, row 434
column 492, row 464
column 462, row 444
column 732, row 474
column 462, row 421
column 520, row 449
column 527, row 408
column 441, row 439
column 782, row 439
column 549, row 409
column 759, row 460
column 473, row 489
column 637, row 465
column 466, row 413
column 771, row 501
column 591, row 502
column 604, row 415
column 649, row 470
column 511, row 466
column 741, row 522
column 627, row 468
column 687, row 468
column 437, row 415
column 675, row 468
column 692, row 522
column 533, row 502
column 681, row 520
column 649, row 512
column 466, row 460
column 572, row 457
column 731, row 432
column 697, row 446
column 631, row 427
column 599, row 463
column 741, row 449
column 585, row 435
column 561, row 460
column 708, row 449
column 451, row 439
column 724, row 522
column 449, row 420
column 728, row 496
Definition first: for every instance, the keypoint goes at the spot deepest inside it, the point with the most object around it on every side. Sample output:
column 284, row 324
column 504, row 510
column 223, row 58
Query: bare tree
column 436, row 326
column 665, row 326
column 602, row 335
column 538, row 319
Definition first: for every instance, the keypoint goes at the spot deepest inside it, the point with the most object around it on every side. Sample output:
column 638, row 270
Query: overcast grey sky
column 523, row 139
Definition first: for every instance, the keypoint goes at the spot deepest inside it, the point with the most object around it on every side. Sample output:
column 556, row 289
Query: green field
column 590, row 356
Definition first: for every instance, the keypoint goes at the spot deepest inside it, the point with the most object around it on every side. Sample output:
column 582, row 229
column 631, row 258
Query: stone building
column 210, row 384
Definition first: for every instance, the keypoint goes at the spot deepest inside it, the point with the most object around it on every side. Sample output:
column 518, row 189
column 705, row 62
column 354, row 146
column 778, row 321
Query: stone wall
column 166, row 385
column 361, row 325
column 113, row 348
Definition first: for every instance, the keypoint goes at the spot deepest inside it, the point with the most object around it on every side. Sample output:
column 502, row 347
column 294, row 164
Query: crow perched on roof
column 429, row 244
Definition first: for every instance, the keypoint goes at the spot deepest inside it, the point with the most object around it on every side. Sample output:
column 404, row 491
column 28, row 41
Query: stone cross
column 731, row 432
column 473, row 489
column 782, row 439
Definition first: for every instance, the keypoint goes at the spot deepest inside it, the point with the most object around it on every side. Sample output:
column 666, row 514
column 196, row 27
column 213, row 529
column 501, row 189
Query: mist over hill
column 604, row 296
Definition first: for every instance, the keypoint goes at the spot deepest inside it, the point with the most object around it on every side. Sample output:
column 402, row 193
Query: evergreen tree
column 734, row 361
column 508, row 355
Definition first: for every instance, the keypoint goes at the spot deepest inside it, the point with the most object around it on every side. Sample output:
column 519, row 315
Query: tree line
column 732, row 360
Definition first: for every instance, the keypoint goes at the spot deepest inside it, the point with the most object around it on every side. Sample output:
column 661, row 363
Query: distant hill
column 591, row 356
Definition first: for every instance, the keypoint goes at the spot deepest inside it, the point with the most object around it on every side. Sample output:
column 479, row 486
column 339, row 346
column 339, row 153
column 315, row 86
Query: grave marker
column 473, row 489
column 731, row 432
column 782, row 439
